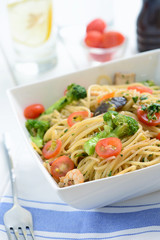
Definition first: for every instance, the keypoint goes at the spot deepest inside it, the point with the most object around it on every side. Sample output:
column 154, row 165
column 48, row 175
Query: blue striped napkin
column 135, row 219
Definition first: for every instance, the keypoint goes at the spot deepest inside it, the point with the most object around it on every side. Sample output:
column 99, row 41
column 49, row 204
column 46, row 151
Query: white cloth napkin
column 135, row 219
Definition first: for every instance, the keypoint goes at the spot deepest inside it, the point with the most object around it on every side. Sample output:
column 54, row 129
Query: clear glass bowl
column 106, row 54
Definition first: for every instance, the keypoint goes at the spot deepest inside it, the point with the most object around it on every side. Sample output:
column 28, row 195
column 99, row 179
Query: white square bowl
column 105, row 191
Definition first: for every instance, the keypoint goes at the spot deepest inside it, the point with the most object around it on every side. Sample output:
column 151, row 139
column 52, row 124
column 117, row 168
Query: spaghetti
column 138, row 151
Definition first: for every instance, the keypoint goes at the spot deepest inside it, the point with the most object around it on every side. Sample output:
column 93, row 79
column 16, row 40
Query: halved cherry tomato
column 61, row 166
column 93, row 39
column 33, row 111
column 158, row 136
column 108, row 147
column 142, row 116
column 96, row 25
column 76, row 117
column 106, row 96
column 140, row 89
column 111, row 39
column 50, row 153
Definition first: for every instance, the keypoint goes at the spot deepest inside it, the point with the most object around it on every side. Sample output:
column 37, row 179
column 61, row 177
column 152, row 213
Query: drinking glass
column 33, row 34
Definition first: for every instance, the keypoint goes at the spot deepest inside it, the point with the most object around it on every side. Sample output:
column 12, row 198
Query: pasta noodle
column 138, row 151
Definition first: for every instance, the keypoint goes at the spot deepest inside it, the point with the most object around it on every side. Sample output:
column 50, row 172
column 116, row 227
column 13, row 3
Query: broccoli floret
column 37, row 130
column 124, row 126
column 109, row 116
column 74, row 93
column 118, row 125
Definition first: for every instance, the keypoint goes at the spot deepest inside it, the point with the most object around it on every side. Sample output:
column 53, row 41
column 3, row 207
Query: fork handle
column 11, row 169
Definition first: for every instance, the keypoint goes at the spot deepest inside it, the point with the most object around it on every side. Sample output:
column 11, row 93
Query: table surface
column 125, row 14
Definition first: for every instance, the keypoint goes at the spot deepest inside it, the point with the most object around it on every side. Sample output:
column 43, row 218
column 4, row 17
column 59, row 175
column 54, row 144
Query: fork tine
column 32, row 233
column 8, row 233
column 16, row 233
column 24, row 233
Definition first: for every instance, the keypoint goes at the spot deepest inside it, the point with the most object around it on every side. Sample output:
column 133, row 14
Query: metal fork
column 17, row 218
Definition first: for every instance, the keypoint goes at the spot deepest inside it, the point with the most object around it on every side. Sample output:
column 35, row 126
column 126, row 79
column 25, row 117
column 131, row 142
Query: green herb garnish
column 143, row 107
column 143, row 97
column 81, row 155
column 151, row 110
column 135, row 99
column 110, row 174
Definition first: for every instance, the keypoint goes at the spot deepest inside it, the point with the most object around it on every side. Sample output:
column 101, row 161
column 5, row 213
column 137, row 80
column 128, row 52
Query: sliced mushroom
column 102, row 108
column 118, row 102
column 115, row 103
column 121, row 78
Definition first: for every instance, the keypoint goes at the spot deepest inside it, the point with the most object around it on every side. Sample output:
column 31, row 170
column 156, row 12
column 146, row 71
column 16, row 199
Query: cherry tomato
column 97, row 25
column 61, row 166
column 158, row 136
column 48, row 152
column 140, row 89
column 33, row 111
column 142, row 116
column 93, row 39
column 76, row 117
column 111, row 39
column 108, row 147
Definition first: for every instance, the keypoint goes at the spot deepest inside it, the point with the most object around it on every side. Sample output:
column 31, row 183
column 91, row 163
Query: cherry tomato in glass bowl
column 96, row 25
column 140, row 89
column 50, row 153
column 33, row 111
column 105, row 40
column 108, row 147
column 142, row 116
column 61, row 166
column 112, row 39
column 77, row 117
column 93, row 39
column 110, row 45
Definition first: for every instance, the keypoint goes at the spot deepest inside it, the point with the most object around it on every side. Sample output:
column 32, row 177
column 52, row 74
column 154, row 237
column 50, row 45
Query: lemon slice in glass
column 30, row 21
